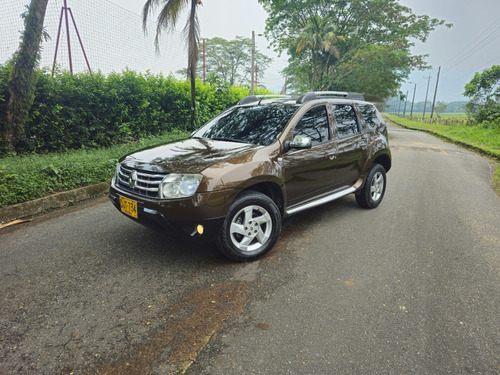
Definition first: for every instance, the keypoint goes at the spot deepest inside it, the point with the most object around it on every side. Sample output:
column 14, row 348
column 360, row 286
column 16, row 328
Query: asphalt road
column 411, row 287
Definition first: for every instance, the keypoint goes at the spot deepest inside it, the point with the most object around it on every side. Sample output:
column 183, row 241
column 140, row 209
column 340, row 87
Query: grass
column 455, row 115
column 496, row 181
column 480, row 139
column 28, row 177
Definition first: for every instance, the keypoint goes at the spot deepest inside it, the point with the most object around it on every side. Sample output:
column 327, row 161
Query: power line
column 477, row 48
column 473, row 47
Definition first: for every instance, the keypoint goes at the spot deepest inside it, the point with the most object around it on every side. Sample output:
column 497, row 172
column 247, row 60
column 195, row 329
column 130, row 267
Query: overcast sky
column 473, row 43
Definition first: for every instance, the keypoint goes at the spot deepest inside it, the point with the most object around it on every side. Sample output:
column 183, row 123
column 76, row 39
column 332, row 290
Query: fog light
column 200, row 229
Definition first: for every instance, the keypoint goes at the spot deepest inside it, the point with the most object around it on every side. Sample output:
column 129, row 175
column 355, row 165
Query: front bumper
column 180, row 216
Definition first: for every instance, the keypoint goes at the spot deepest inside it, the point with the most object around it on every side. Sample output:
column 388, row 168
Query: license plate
column 128, row 206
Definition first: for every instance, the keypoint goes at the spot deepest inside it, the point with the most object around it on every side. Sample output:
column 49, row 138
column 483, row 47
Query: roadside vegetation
column 31, row 176
column 93, row 110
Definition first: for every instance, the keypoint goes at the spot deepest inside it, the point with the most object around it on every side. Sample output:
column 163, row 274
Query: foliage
column 484, row 91
column 167, row 20
column 22, row 79
column 440, row 107
column 32, row 176
column 93, row 110
column 371, row 39
column 318, row 41
column 230, row 60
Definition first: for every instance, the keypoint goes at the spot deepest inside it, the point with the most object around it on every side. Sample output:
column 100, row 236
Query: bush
column 92, row 110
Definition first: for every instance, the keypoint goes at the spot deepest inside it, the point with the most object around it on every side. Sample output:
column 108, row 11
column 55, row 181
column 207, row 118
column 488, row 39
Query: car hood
column 186, row 156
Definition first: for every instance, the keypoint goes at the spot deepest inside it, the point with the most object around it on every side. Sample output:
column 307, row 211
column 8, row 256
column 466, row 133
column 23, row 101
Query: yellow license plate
column 128, row 207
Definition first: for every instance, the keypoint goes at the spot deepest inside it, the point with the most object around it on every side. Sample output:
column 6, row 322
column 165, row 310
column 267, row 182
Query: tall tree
column 167, row 19
column 319, row 40
column 372, row 32
column 230, row 60
column 484, row 92
column 23, row 77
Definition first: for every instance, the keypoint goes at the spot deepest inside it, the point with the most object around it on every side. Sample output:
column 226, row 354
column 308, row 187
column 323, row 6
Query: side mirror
column 299, row 142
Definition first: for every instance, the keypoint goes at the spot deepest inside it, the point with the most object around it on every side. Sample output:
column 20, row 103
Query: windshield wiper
column 227, row 140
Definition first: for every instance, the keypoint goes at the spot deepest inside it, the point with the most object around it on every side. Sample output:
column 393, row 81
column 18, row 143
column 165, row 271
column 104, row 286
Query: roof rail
column 333, row 94
column 342, row 94
column 307, row 97
column 254, row 98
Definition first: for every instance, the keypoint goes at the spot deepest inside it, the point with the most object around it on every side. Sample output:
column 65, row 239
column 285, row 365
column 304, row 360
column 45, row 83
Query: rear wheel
column 251, row 227
column 372, row 193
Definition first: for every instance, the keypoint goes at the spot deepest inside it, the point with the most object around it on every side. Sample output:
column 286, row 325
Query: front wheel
column 372, row 193
column 251, row 227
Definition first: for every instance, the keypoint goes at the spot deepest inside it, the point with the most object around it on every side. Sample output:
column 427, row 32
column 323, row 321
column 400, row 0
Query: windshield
column 259, row 125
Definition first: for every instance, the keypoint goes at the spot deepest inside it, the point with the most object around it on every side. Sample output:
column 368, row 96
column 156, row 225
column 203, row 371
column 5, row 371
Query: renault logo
column 132, row 179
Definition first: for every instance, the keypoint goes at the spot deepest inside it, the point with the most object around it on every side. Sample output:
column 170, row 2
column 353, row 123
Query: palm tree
column 167, row 18
column 23, row 77
column 319, row 38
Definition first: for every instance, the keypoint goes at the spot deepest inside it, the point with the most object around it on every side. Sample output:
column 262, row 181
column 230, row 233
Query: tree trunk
column 193, row 59
column 22, row 81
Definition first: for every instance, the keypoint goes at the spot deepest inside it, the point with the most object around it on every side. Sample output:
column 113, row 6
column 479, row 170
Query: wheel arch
column 384, row 160
column 270, row 189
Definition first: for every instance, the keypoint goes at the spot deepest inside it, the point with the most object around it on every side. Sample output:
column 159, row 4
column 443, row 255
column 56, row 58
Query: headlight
column 177, row 185
column 116, row 179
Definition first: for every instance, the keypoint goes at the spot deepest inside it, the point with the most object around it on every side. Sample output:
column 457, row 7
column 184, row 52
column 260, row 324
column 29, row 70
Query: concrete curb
column 58, row 200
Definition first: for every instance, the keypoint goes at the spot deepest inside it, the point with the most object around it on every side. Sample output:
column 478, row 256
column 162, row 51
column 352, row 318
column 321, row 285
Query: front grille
column 146, row 184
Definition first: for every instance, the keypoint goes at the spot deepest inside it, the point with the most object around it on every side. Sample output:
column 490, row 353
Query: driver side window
column 314, row 124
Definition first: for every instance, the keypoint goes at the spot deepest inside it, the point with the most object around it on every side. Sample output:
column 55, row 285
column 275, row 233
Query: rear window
column 370, row 115
column 261, row 124
column 345, row 120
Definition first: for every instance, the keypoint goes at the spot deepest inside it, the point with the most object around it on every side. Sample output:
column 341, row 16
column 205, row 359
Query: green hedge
column 94, row 110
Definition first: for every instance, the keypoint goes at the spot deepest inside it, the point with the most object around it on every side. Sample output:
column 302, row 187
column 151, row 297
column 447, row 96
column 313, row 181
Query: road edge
column 477, row 150
column 50, row 202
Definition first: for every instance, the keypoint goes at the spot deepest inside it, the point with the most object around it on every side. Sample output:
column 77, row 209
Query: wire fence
column 112, row 37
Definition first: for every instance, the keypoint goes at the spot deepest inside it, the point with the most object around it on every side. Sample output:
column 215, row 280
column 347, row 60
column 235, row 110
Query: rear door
column 351, row 145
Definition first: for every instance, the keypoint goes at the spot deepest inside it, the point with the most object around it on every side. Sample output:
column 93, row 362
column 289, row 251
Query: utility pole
column 252, row 89
column 256, row 75
column 283, row 90
column 204, row 68
column 406, row 101
column 413, row 100
column 426, row 94
column 435, row 93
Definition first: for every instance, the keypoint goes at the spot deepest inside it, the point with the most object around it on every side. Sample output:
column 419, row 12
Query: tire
column 373, row 191
column 251, row 227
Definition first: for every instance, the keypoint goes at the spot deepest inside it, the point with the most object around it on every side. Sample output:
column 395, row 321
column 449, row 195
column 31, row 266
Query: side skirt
column 320, row 201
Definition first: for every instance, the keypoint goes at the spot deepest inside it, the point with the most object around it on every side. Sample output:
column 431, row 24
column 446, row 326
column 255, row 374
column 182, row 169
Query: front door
column 309, row 172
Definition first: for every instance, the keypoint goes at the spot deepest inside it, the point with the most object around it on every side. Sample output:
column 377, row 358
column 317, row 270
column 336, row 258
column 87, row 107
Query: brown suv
column 236, row 178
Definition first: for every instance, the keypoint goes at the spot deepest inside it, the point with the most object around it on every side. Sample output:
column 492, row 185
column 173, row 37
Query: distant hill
column 452, row 107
